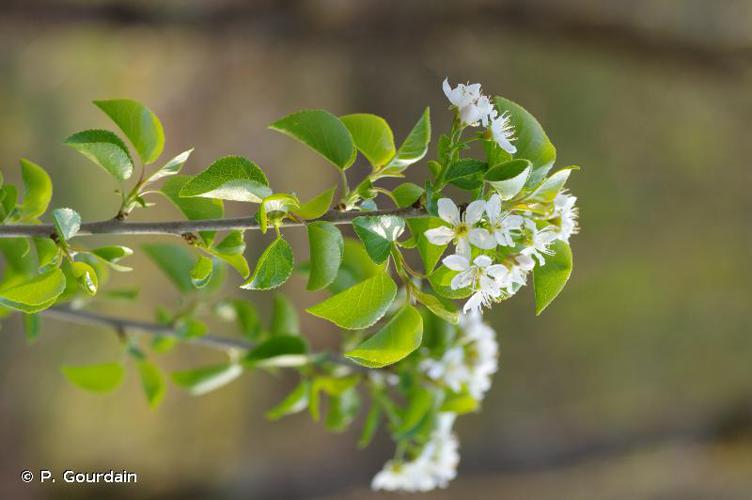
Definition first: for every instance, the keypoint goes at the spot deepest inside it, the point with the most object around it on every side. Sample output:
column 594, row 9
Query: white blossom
column 501, row 224
column 472, row 107
column 502, row 132
column 539, row 240
column 480, row 274
column 450, row 369
column 567, row 214
column 434, row 467
column 461, row 228
column 482, row 354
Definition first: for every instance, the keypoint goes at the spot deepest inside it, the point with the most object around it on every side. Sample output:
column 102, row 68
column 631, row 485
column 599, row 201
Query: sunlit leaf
column 139, row 124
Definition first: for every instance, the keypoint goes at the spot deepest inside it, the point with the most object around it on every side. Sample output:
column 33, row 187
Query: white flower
column 451, row 368
column 567, row 213
column 433, row 468
column 481, row 275
column 539, row 240
column 503, row 132
column 461, row 229
column 501, row 224
column 482, row 354
column 472, row 106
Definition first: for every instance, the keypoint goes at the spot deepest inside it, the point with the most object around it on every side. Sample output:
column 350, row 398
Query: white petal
column 493, row 207
column 481, row 238
column 475, row 211
column 447, row 88
column 525, row 262
column 474, row 303
column 506, row 144
column 497, row 271
column 462, row 280
column 503, row 239
column 470, row 114
column 482, row 261
column 448, row 211
column 439, row 235
column 463, row 247
column 456, row 262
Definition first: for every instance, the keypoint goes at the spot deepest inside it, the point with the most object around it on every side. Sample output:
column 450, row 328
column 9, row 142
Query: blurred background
column 635, row 384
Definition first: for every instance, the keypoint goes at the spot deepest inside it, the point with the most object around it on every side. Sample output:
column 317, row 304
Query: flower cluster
column 475, row 108
column 466, row 366
column 514, row 241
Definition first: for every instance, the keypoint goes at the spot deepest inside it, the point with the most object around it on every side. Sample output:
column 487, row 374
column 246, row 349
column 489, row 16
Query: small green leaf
column 230, row 178
column 232, row 244
column 429, row 253
column 407, row 194
column 414, row 148
column 342, row 410
column 192, row 208
column 273, row 268
column 284, row 317
column 48, row 253
column 316, row 206
column 19, row 261
column 247, row 319
column 67, row 222
column 460, row 404
column 278, row 351
column 172, row 167
column 8, row 197
column 295, row 402
column 371, row 424
column 372, row 136
column 326, row 250
column 86, row 277
column 152, row 382
column 113, row 254
column 34, row 295
column 356, row 266
column 441, row 280
column 96, row 378
column 466, row 173
column 447, row 312
column 139, row 124
column 550, row 187
column 359, row 306
column 378, row 233
column 509, row 178
column 321, row 131
column 175, row 261
column 202, row 272
column 399, row 337
column 105, row 149
column 549, row 280
column 199, row 381
column 275, row 203
column 37, row 190
column 420, row 404
column 531, row 143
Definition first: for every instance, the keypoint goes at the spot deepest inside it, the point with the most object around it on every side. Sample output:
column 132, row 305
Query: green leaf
column 321, row 131
column 105, row 149
column 407, row 194
column 8, row 197
column 466, row 173
column 531, row 143
column 284, row 317
column 37, row 190
column 378, row 233
column 247, row 319
column 112, row 254
column 447, row 312
column 317, row 206
column 333, row 386
column 275, row 203
column 273, row 268
column 202, row 272
column 19, row 261
column 67, row 222
column 372, row 136
column 96, row 378
column 175, row 261
column 460, row 404
column 192, row 208
column 342, row 410
column 550, row 187
column 86, row 277
column 419, row 407
column 371, row 424
column 34, row 295
column 206, row 379
column 139, row 124
column 399, row 337
column 31, row 327
column 278, row 351
column 414, row 148
column 152, row 382
column 232, row 244
column 356, row 266
column 295, row 402
column 327, row 248
column 48, row 254
column 230, row 178
column 359, row 306
column 509, row 178
column 172, row 167
column 429, row 253
column 550, row 279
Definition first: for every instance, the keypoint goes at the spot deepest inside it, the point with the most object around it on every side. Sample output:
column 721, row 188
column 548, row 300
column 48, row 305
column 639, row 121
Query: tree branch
column 177, row 228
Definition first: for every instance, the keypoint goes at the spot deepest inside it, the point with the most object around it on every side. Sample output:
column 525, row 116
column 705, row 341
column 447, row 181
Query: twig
column 178, row 228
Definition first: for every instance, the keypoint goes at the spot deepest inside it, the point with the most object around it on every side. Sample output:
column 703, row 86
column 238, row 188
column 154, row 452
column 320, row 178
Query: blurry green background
column 635, row 384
